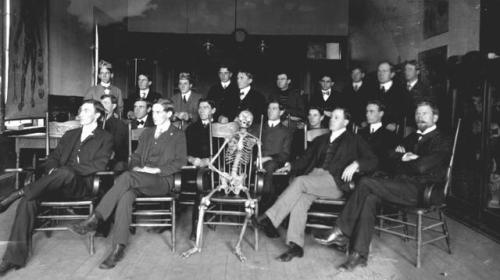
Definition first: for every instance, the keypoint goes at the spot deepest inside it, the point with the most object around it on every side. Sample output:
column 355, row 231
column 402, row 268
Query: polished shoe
column 353, row 260
column 333, row 237
column 294, row 251
column 114, row 257
column 7, row 200
column 84, row 227
column 5, row 267
column 264, row 223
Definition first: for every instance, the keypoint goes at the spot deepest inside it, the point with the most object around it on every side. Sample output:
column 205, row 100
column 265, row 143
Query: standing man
column 289, row 97
column 327, row 98
column 249, row 99
column 422, row 160
column 276, row 144
column 186, row 102
column 105, row 87
column 417, row 89
column 161, row 153
column 144, row 91
column 356, row 94
column 325, row 170
column 80, row 153
column 225, row 95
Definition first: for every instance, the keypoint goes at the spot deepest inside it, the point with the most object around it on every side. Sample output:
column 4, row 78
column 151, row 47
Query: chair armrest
column 202, row 177
column 259, row 182
column 433, row 195
column 177, row 182
column 97, row 180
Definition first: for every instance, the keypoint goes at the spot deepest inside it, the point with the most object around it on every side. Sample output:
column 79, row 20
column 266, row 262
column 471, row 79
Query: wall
column 393, row 30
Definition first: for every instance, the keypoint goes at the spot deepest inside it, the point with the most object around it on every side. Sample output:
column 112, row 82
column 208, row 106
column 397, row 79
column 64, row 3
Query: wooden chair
column 432, row 202
column 154, row 211
column 228, row 209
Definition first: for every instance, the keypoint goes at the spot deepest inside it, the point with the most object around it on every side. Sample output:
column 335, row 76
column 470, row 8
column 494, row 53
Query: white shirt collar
column 105, row 84
column 245, row 92
column 225, row 84
column 428, row 130
column 336, row 134
column 146, row 91
column 412, row 84
column 328, row 91
column 87, row 131
column 144, row 120
column 205, row 122
column 375, row 126
column 273, row 123
column 358, row 84
column 187, row 95
column 387, row 85
column 161, row 129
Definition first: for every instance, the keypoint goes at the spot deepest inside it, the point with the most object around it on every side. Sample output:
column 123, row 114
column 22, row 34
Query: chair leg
column 91, row 243
column 445, row 230
column 255, row 230
column 419, row 237
column 404, row 217
column 173, row 225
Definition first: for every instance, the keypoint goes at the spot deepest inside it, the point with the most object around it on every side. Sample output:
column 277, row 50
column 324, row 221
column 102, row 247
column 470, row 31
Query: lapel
column 72, row 142
column 426, row 138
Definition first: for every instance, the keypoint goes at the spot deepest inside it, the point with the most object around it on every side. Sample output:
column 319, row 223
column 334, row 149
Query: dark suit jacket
column 119, row 130
column 382, row 143
column 253, row 101
column 93, row 155
column 351, row 147
column 173, row 156
column 149, row 122
column 336, row 99
column 434, row 152
column 191, row 107
column 356, row 101
column 418, row 93
column 152, row 97
column 397, row 102
column 198, row 140
column 295, row 103
column 276, row 143
column 225, row 100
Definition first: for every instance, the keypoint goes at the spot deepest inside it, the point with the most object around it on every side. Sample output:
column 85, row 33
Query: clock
column 240, row 35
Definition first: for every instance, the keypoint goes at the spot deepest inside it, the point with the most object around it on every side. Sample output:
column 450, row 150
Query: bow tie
column 326, row 92
column 140, row 122
column 420, row 135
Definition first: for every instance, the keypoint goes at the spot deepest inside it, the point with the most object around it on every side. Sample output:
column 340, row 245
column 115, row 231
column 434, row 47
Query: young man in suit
column 381, row 140
column 119, row 130
column 142, row 114
column 276, row 144
column 249, row 98
column 80, row 153
column 105, row 87
column 325, row 170
column 417, row 89
column 421, row 160
column 289, row 97
column 144, row 91
column 356, row 94
column 225, row 95
column 327, row 98
column 161, row 153
column 394, row 96
column 186, row 102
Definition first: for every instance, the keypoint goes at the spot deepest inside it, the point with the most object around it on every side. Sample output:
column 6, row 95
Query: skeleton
column 237, row 154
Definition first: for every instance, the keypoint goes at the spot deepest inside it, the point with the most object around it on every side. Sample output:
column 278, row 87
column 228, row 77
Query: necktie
column 242, row 94
column 143, row 95
column 356, row 87
column 408, row 86
column 382, row 89
column 372, row 130
column 184, row 99
column 420, row 135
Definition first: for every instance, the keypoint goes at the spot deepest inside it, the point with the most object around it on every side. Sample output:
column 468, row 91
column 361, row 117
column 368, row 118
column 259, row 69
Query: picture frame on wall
column 436, row 16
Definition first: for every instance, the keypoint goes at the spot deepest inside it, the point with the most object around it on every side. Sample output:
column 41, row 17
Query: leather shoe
column 263, row 223
column 294, row 251
column 334, row 237
column 353, row 260
column 6, row 267
column 7, row 200
column 114, row 257
column 84, row 227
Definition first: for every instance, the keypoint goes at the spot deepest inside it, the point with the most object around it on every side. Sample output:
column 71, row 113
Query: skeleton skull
column 245, row 119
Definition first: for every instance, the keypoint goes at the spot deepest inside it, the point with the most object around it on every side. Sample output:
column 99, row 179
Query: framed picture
column 435, row 17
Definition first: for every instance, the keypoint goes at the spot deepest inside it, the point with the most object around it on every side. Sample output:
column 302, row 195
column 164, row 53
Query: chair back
column 133, row 136
column 452, row 159
column 310, row 135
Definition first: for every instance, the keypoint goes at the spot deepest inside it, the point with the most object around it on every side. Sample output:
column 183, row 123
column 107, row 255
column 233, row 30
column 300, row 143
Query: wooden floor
column 65, row 256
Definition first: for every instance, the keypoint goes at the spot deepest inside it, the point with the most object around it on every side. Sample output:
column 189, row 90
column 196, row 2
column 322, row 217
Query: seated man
column 160, row 154
column 325, row 170
column 381, row 140
column 276, row 142
column 142, row 114
column 315, row 118
column 422, row 161
column 118, row 129
column 105, row 87
column 80, row 153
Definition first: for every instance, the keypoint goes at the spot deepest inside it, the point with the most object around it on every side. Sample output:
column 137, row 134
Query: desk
column 32, row 141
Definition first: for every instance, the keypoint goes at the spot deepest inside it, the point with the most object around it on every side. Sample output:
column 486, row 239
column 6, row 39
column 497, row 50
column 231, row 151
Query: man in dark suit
column 422, row 160
column 249, row 99
column 160, row 154
column 225, row 95
column 393, row 95
column 417, row 89
column 119, row 130
column 289, row 97
column 80, row 153
column 186, row 102
column 327, row 98
column 381, row 140
column 325, row 170
column 276, row 143
column 142, row 114
column 357, row 94
column 143, row 92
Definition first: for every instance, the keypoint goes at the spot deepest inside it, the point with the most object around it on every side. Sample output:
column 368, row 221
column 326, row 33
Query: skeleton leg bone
column 249, row 209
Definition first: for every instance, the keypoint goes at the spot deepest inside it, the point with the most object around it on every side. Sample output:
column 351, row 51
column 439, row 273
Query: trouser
column 121, row 196
column 269, row 192
column 62, row 183
column 357, row 219
column 297, row 199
